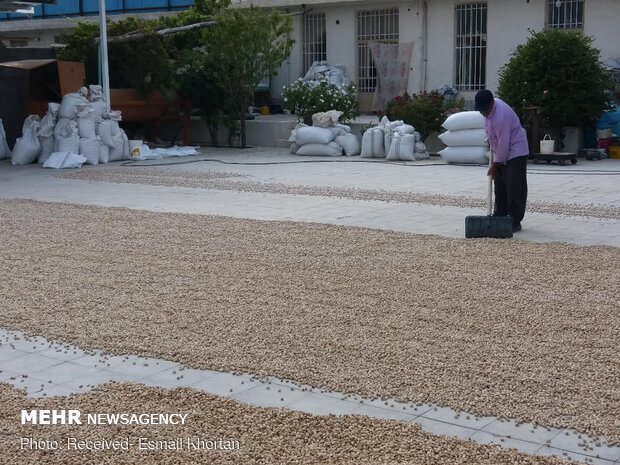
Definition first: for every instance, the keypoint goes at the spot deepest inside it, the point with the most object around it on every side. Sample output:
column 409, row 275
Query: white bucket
column 547, row 144
column 134, row 147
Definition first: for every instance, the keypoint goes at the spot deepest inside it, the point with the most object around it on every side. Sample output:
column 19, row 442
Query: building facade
column 461, row 44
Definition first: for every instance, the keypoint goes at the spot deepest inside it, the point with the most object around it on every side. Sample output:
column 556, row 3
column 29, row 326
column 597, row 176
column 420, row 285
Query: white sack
column 114, row 115
column 387, row 140
column 337, row 131
column 68, row 105
column 65, row 127
column 293, row 135
column 394, row 124
column 344, row 126
column 294, row 148
column 52, row 109
column 104, row 131
column 90, row 149
column 465, row 154
column 349, row 143
column 401, row 148
column 64, row 160
column 326, row 119
column 314, row 135
column 330, row 149
column 464, row 137
column 104, row 153
column 419, row 147
column 372, row 144
column 47, row 147
column 67, row 144
column 464, row 120
column 418, row 137
column 5, row 152
column 86, row 121
column 126, row 153
column 117, row 149
column 27, row 147
column 404, row 129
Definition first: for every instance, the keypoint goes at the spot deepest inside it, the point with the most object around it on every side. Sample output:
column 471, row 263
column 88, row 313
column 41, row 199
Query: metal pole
column 103, row 44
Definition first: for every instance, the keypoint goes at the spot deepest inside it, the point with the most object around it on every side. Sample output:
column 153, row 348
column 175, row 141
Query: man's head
column 484, row 102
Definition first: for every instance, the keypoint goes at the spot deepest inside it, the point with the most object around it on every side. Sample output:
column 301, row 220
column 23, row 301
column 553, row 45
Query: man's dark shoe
column 516, row 227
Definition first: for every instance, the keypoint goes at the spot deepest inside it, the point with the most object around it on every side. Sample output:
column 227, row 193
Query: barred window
column 314, row 44
column 373, row 26
column 471, row 46
column 565, row 14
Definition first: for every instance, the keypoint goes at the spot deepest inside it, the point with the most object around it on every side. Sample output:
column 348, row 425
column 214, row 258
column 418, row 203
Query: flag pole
column 103, row 47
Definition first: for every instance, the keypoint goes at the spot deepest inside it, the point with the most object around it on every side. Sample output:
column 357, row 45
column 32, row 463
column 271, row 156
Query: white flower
column 285, row 99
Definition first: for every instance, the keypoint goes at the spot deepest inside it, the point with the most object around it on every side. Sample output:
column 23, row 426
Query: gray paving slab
column 580, row 443
column 524, row 431
column 225, row 384
column 384, row 413
column 319, row 404
column 444, row 429
column 447, row 415
column 484, row 437
column 563, row 454
column 275, row 396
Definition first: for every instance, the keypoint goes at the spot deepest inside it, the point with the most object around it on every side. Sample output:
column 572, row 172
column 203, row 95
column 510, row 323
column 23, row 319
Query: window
column 373, row 26
column 314, row 45
column 471, row 46
column 565, row 14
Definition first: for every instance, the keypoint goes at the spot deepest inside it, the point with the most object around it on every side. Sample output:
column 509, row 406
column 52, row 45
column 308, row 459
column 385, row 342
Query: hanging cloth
column 392, row 62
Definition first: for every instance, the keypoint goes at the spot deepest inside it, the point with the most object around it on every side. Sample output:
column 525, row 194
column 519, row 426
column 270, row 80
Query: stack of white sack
column 466, row 139
column 325, row 137
column 72, row 126
column 393, row 140
column 5, row 151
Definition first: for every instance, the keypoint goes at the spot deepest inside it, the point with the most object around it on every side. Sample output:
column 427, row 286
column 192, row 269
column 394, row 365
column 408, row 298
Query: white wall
column 602, row 21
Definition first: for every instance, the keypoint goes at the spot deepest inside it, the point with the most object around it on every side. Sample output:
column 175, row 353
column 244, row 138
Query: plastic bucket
column 547, row 144
column 134, row 147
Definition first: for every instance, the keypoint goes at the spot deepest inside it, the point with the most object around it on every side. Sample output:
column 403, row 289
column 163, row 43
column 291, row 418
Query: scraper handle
column 490, row 191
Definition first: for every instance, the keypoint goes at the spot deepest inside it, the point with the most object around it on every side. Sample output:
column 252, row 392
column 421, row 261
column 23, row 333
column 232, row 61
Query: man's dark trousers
column 511, row 189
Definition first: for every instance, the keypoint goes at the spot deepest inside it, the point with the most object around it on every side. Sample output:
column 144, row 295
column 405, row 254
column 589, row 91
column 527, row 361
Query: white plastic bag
column 69, row 104
column 330, row 149
column 349, row 143
column 314, row 135
column 387, row 140
column 27, row 147
column 60, row 160
column 401, row 148
column 372, row 144
column 293, row 135
column 97, row 100
column 90, row 149
column 5, row 152
column 464, row 137
column 337, row 131
column 464, row 120
column 465, row 154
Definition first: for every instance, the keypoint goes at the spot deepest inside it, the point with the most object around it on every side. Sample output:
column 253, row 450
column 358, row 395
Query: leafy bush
column 308, row 99
column 559, row 71
column 425, row 111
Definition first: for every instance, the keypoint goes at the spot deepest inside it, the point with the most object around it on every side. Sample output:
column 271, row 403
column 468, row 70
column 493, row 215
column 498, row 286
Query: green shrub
column 425, row 111
column 559, row 71
column 307, row 99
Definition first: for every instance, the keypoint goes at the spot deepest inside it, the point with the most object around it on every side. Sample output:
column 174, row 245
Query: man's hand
column 493, row 169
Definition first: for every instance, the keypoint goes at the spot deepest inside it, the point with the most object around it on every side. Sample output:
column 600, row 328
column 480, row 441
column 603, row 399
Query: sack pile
column 80, row 124
column 393, row 140
column 465, row 138
column 5, row 151
column 325, row 137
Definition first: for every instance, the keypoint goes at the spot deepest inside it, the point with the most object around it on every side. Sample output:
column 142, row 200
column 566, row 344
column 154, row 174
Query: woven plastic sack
column 372, row 144
column 464, row 120
column 465, row 155
column 330, row 149
column 401, row 148
column 314, row 135
column 464, row 137
column 349, row 143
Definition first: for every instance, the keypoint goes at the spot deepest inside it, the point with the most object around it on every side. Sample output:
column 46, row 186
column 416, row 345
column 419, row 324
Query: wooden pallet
column 560, row 157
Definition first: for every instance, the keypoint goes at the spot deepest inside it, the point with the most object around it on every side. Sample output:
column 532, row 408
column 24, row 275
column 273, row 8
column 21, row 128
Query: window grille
column 565, row 14
column 373, row 26
column 471, row 46
column 314, row 45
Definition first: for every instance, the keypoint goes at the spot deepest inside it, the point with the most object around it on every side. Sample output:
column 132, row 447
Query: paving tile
column 573, row 455
column 525, row 431
column 67, row 371
column 174, row 377
column 275, row 396
column 444, row 429
column 51, row 391
column 8, row 353
column 319, row 404
column 384, row 413
column 28, row 363
column 570, row 443
column 225, row 384
column 89, row 380
column 483, row 437
column 61, row 354
column 447, row 415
